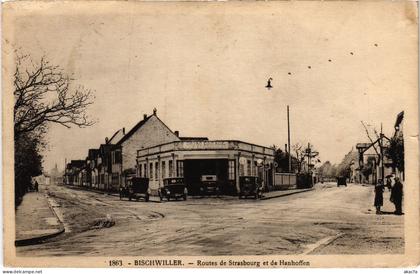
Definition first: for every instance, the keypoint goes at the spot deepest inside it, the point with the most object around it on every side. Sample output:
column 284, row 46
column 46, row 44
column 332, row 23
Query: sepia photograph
column 210, row 134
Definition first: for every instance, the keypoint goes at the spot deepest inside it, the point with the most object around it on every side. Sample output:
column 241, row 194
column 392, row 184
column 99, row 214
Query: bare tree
column 370, row 139
column 44, row 94
column 300, row 155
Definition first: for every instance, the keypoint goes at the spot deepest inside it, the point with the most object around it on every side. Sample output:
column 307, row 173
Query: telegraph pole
column 382, row 154
column 288, row 140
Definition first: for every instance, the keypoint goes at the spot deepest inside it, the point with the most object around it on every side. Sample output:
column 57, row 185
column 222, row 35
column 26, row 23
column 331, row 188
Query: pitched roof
column 133, row 130
column 115, row 135
column 138, row 126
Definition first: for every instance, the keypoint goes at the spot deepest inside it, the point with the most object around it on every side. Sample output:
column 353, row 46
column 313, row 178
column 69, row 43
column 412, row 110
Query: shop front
column 200, row 161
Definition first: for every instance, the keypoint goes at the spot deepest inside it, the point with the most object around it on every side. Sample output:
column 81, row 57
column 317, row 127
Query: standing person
column 389, row 183
column 379, row 198
column 396, row 196
column 36, row 186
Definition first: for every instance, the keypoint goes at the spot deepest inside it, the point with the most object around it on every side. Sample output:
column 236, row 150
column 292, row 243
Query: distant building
column 369, row 158
column 72, row 171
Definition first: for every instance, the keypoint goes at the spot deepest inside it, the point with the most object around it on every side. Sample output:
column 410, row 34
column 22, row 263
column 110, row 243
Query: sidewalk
column 36, row 220
column 281, row 193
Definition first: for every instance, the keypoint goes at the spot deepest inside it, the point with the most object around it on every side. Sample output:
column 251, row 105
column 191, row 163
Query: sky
column 204, row 66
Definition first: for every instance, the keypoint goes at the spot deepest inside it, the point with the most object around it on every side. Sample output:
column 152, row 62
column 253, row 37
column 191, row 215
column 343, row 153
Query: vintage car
column 341, row 181
column 173, row 188
column 209, row 185
column 250, row 186
column 135, row 188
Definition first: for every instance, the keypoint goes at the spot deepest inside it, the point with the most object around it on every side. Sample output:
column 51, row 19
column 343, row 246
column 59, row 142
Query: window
column 231, row 170
column 255, row 168
column 157, row 171
column 241, row 170
column 180, row 168
column 164, row 169
column 170, row 168
column 151, row 171
column 140, row 170
column 116, row 157
column 248, row 167
column 145, row 170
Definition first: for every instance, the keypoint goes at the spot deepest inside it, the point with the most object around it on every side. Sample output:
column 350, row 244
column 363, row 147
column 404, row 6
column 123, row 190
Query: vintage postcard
column 233, row 134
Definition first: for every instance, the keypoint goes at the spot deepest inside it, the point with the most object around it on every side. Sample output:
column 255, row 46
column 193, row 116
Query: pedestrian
column 396, row 196
column 389, row 183
column 36, row 186
column 379, row 198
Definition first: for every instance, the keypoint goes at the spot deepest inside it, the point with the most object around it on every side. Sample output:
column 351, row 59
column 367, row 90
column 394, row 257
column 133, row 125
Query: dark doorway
column 194, row 169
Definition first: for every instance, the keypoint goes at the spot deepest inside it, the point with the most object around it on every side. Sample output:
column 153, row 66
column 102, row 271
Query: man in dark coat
column 379, row 197
column 396, row 196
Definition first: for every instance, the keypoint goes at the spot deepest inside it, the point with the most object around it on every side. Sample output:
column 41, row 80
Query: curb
column 93, row 190
column 286, row 194
column 38, row 239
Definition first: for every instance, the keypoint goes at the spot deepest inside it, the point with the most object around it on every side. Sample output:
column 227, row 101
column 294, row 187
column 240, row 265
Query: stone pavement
column 36, row 220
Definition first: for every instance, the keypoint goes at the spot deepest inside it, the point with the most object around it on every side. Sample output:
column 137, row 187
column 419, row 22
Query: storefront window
column 164, row 169
column 231, row 170
column 170, row 168
column 151, row 171
column 241, row 170
column 157, row 170
column 255, row 168
column 180, row 168
column 140, row 170
column 248, row 168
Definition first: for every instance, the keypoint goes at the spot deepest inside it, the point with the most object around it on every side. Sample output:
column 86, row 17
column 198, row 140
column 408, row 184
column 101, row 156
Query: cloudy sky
column 204, row 66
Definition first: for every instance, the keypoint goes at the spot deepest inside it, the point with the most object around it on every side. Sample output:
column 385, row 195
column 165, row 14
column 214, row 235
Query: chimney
column 144, row 116
column 176, row 132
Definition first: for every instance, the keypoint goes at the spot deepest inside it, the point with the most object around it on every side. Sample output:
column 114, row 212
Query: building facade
column 191, row 159
column 149, row 132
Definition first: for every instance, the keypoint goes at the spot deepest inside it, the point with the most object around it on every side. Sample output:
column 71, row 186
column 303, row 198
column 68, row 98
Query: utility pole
column 382, row 154
column 309, row 155
column 288, row 140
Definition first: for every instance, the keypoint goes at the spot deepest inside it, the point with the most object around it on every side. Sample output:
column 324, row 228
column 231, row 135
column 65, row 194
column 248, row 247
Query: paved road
column 328, row 220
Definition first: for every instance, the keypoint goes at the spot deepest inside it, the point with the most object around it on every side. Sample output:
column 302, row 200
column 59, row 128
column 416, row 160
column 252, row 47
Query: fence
column 284, row 181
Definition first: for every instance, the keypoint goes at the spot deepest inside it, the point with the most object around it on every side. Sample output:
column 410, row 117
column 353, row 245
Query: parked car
column 209, row 185
column 250, row 186
column 136, row 188
column 341, row 181
column 173, row 188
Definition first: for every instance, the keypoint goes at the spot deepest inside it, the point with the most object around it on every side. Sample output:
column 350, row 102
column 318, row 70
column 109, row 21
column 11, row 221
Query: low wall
column 284, row 181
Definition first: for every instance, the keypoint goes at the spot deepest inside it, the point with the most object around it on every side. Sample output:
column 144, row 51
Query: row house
column 72, row 172
column 151, row 149
column 149, row 132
